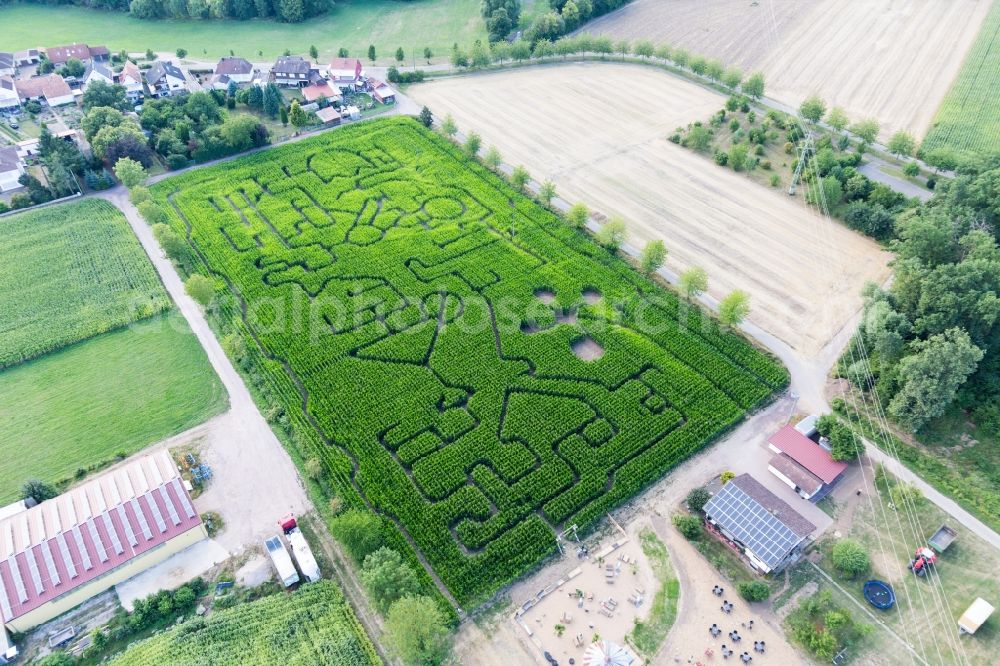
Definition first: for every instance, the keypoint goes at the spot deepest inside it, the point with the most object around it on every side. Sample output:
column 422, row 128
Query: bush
column 360, row 532
column 721, row 158
column 850, row 558
column 726, row 477
column 754, row 590
column 698, row 498
column 689, row 526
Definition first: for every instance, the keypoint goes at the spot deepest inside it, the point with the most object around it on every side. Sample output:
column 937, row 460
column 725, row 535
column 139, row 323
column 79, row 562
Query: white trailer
column 281, row 560
column 303, row 555
column 972, row 619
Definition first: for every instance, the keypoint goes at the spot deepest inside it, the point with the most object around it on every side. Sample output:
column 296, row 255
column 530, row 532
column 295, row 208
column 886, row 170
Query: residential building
column 294, row 72
column 802, row 464
column 51, row 88
column 769, row 532
column 26, row 58
column 9, row 99
column 165, row 79
column 7, row 66
column 97, row 71
column 58, row 55
column 64, row 551
column 235, row 69
column 382, row 92
column 314, row 92
column 346, row 73
column 131, row 78
column 11, row 168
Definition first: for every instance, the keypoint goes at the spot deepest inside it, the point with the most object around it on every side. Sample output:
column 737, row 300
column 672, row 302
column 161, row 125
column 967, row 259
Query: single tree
column 342, row 52
column 428, row 54
column 813, row 108
column 426, row 117
column 623, row 48
column 652, row 257
column 547, row 192
column 754, row 85
column 689, row 526
column 416, row 632
column 283, row 113
column 387, row 578
column 314, row 52
column 714, row 70
column 359, row 531
column 371, row 52
column 911, row 170
column 150, row 55
column 644, row 48
column 693, row 282
column 850, row 558
column 400, row 55
column 902, row 143
column 201, row 289
column 129, row 172
column 697, row 498
column 612, row 234
column 519, row 178
column 448, row 126
column 734, row 308
column 297, row 115
column 732, row 78
column 837, row 118
column 754, row 590
column 472, row 144
column 182, row 53
column 493, row 159
column 866, row 130
column 699, row 137
column 38, row 490
column 578, row 215
column 314, row 469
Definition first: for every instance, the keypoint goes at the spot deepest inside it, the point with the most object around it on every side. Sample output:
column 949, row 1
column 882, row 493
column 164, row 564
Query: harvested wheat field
column 891, row 59
column 803, row 273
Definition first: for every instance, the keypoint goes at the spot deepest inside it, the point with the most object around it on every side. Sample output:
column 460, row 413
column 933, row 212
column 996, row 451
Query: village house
column 165, row 79
column 59, row 55
column 7, row 66
column 233, row 69
column 346, row 74
column 11, row 168
column 319, row 91
column 769, row 532
column 9, row 99
column 382, row 92
column 131, row 78
column 97, row 72
column 294, row 72
column 802, row 464
column 51, row 88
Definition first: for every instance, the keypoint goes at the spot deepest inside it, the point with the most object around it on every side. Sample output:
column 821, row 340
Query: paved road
column 877, row 169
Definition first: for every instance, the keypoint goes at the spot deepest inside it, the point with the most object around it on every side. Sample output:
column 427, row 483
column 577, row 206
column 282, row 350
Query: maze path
column 427, row 315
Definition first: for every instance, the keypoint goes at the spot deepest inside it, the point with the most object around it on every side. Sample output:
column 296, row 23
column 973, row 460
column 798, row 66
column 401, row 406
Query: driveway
column 874, row 168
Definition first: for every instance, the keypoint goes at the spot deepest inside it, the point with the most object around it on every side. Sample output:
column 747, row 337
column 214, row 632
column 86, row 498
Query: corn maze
column 470, row 366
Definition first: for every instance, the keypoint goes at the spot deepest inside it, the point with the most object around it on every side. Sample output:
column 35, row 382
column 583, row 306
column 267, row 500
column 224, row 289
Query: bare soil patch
column 587, row 349
column 803, row 273
column 889, row 59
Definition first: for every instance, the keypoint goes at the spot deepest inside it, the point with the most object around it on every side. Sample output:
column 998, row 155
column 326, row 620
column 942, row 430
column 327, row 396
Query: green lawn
column 119, row 391
column 355, row 24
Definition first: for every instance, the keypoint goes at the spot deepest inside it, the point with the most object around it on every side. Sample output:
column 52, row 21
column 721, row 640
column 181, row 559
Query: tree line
column 289, row 11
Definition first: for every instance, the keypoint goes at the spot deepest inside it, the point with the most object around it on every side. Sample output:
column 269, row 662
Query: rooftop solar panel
column 171, row 509
column 126, row 525
column 741, row 516
column 36, row 578
column 141, row 517
column 84, row 555
column 50, row 564
column 157, row 516
column 15, row 571
column 185, row 502
column 102, row 552
column 112, row 533
column 64, row 551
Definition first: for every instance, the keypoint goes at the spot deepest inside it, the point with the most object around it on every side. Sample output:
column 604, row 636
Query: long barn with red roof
column 802, row 464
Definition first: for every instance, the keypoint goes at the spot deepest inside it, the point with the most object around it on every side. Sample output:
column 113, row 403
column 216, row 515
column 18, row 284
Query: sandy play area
column 891, row 59
column 803, row 273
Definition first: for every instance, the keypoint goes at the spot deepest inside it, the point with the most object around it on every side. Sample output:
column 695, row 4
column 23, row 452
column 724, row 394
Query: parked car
column 13, row 124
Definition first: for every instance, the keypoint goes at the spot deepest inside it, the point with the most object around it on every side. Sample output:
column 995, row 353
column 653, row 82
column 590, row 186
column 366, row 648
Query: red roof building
column 815, row 462
column 60, row 553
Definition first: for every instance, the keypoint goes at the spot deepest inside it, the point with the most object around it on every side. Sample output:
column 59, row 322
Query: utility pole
column 804, row 152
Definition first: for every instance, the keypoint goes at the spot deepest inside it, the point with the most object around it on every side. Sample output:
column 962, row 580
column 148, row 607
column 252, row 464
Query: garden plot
column 803, row 273
column 890, row 59
column 391, row 293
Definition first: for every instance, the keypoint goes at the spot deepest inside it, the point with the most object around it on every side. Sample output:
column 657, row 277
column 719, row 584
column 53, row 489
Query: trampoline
column 879, row 594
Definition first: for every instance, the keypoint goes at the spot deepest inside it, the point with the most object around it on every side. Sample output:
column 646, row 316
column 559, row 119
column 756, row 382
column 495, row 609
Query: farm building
column 382, row 92
column 769, row 532
column 51, row 88
column 802, row 464
column 26, row 57
column 60, row 553
column 346, row 73
column 7, row 64
column 329, row 116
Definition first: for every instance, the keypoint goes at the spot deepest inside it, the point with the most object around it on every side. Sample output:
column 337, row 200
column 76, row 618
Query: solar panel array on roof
column 753, row 525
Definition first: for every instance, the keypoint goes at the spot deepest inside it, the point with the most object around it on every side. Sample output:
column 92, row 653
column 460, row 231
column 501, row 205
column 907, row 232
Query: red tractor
column 922, row 561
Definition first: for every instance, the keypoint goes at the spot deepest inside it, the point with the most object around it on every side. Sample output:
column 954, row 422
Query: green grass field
column 120, row 391
column 968, row 121
column 70, row 272
column 353, row 24
column 440, row 329
column 313, row 625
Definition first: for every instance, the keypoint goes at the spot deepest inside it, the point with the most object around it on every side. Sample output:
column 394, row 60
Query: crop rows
column 70, row 272
column 968, row 121
column 314, row 625
column 393, row 288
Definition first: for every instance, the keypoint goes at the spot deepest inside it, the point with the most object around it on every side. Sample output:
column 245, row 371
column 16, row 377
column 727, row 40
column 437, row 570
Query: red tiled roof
column 60, row 54
column 329, row 114
column 345, row 64
column 807, row 453
column 49, row 86
column 82, row 535
column 314, row 92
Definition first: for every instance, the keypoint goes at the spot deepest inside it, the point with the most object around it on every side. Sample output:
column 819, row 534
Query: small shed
column 329, row 116
column 975, row 616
